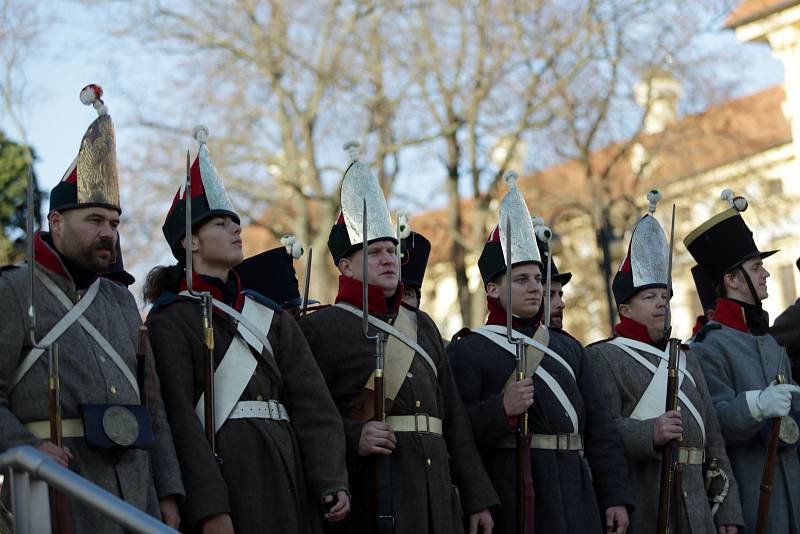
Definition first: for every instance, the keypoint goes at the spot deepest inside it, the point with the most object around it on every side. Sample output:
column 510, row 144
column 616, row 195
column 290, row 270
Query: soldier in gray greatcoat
column 741, row 361
column 631, row 368
column 97, row 352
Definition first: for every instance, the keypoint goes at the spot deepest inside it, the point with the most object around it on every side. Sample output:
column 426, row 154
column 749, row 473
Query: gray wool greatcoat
column 87, row 375
column 623, row 382
column 735, row 362
column 426, row 468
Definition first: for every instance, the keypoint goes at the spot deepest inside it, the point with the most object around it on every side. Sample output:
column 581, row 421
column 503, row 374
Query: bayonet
column 206, row 303
column 306, row 282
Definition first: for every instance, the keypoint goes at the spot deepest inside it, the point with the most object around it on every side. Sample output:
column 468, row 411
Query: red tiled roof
column 750, row 10
column 725, row 133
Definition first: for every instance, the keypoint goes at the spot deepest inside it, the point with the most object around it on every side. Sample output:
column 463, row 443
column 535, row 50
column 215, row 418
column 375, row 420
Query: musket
column 306, row 282
column 383, row 463
column 768, row 474
column 525, row 497
column 671, row 469
column 547, row 236
column 60, row 512
column 141, row 365
column 208, row 327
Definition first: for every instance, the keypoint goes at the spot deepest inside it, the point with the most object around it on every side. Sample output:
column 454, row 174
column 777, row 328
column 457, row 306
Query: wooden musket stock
column 669, row 488
column 60, row 511
column 768, row 475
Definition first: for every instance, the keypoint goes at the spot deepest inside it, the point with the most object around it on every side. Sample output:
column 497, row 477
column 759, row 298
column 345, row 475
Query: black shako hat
column 415, row 249
column 116, row 271
column 209, row 198
column 544, row 251
column 272, row 273
column 705, row 288
column 359, row 185
column 492, row 261
column 724, row 242
column 91, row 179
column 646, row 263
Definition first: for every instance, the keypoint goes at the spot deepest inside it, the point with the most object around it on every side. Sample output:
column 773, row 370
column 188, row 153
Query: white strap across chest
column 253, row 314
column 654, row 400
column 541, row 372
column 501, row 330
column 623, row 342
column 78, row 310
column 394, row 332
column 238, row 365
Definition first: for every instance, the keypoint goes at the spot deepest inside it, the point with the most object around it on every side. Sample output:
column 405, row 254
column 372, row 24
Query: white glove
column 775, row 400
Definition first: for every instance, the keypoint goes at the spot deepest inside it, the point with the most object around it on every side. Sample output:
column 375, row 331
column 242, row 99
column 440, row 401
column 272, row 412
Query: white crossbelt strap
column 649, row 349
column 654, row 400
column 52, row 336
column 546, row 377
column 95, row 334
column 392, row 331
column 501, row 330
column 237, row 366
column 253, row 313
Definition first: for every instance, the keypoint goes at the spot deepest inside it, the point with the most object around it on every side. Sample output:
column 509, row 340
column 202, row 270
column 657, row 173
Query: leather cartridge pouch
column 117, row 426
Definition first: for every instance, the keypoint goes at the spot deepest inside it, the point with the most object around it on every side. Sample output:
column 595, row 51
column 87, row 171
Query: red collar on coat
column 631, row 329
column 200, row 284
column 350, row 291
column 731, row 313
column 47, row 257
column 497, row 316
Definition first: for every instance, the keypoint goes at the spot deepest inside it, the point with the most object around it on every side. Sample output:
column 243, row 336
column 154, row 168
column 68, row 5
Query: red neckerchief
column 731, row 314
column 350, row 291
column 631, row 329
column 199, row 284
column 47, row 258
column 497, row 316
column 699, row 324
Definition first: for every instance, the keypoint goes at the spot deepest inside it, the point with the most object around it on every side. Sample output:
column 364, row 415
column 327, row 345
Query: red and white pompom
column 92, row 95
column 200, row 133
column 293, row 247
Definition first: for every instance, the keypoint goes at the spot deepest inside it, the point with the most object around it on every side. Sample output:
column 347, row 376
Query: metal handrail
column 41, row 467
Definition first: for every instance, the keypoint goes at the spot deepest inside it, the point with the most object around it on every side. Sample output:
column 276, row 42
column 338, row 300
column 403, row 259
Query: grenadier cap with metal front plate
column 724, row 242
column 541, row 242
column 415, row 250
column 209, row 198
column 359, row 184
column 92, row 179
column 492, row 261
column 647, row 262
column 272, row 273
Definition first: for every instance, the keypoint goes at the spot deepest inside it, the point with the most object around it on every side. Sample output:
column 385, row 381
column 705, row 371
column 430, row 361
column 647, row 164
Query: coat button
column 418, row 404
column 410, row 375
column 429, row 461
column 113, row 390
column 259, row 397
